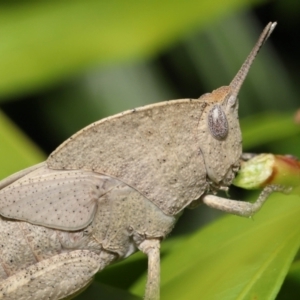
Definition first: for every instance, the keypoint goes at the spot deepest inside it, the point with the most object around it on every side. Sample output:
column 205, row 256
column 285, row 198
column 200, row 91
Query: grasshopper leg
column 55, row 278
column 241, row 208
column 151, row 248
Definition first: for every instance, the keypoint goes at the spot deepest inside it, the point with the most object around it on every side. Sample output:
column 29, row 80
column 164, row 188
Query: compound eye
column 217, row 123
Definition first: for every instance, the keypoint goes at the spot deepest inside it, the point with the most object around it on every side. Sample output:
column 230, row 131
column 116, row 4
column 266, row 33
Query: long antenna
column 239, row 78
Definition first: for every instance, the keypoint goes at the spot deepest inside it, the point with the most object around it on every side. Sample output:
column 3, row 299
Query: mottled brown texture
column 154, row 149
column 38, row 262
column 116, row 186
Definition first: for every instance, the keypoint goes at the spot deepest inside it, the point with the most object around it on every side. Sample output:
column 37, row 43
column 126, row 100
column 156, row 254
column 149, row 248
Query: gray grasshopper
column 118, row 186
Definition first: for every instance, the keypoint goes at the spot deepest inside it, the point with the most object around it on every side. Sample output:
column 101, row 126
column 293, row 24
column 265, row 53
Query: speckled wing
column 58, row 199
column 153, row 149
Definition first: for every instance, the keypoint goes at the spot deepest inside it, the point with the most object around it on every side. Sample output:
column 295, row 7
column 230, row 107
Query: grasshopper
column 118, row 186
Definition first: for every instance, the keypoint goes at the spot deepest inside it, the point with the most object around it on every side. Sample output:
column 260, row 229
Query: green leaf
column 44, row 41
column 291, row 286
column 261, row 129
column 235, row 258
column 16, row 151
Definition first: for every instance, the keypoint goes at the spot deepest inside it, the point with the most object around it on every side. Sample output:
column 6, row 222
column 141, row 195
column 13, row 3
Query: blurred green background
column 65, row 64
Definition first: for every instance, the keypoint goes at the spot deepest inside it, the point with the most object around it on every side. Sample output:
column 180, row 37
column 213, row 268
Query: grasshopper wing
column 58, row 199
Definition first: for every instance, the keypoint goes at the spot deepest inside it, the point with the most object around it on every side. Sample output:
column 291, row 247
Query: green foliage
column 90, row 59
column 236, row 259
column 16, row 150
column 42, row 41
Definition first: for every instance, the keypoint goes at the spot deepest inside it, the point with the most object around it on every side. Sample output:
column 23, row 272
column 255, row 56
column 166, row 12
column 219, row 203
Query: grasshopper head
column 220, row 135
